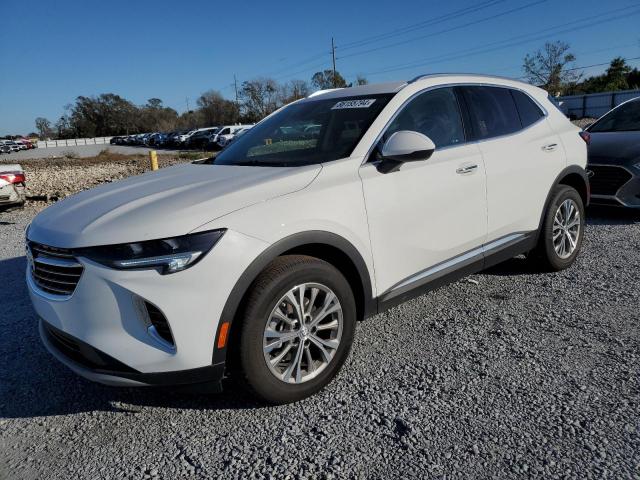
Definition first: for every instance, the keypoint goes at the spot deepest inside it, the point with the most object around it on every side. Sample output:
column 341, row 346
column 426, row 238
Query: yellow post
column 153, row 156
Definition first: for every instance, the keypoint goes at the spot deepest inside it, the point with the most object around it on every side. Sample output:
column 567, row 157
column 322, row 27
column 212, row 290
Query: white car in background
column 12, row 185
column 226, row 133
column 224, row 140
column 260, row 262
column 13, row 146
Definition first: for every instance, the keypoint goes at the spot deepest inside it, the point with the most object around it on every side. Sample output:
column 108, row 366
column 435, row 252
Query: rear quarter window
column 528, row 110
column 492, row 110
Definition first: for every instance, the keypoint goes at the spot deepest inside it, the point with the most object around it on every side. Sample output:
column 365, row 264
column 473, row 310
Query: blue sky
column 54, row 51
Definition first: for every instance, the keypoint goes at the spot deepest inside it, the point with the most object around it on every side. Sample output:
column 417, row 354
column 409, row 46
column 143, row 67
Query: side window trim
column 464, row 111
column 475, row 139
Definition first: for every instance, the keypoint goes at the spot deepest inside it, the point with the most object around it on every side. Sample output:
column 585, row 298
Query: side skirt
column 456, row 268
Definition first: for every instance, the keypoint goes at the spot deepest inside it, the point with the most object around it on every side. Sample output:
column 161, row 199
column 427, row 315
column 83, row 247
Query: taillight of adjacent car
column 13, row 177
column 586, row 136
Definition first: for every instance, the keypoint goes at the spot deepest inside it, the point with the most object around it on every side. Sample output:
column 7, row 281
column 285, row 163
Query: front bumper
column 103, row 313
column 94, row 365
column 615, row 185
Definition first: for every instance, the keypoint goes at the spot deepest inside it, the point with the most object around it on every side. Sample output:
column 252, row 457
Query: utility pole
column 333, row 56
column 187, row 99
column 235, row 86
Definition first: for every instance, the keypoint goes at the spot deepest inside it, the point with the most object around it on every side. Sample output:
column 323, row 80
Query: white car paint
column 464, row 199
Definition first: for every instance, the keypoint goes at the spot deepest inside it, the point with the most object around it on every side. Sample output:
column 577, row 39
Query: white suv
column 261, row 261
column 226, row 133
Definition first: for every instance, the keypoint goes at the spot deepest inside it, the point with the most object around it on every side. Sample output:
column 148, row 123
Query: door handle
column 467, row 169
column 549, row 147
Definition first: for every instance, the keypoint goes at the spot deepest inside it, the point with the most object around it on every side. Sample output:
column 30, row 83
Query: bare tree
column 361, row 80
column 324, row 80
column 548, row 67
column 292, row 91
column 216, row 110
column 259, row 98
column 44, row 127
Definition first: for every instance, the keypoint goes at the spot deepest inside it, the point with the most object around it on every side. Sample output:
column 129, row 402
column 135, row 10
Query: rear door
column 521, row 153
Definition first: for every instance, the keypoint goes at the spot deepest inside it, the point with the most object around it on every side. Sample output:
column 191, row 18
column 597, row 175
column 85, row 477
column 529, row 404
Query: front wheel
column 562, row 230
column 297, row 328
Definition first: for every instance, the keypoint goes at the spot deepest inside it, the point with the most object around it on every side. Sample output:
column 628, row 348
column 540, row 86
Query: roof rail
column 442, row 74
column 320, row 92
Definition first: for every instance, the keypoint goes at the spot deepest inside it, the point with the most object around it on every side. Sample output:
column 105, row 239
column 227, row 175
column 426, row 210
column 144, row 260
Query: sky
column 55, row 51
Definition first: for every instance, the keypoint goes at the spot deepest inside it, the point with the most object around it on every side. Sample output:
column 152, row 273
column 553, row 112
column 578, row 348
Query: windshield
column 306, row 133
column 625, row 118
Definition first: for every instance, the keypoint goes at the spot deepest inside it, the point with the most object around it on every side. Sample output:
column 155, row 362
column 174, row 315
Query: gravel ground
column 53, row 179
column 80, row 151
column 507, row 374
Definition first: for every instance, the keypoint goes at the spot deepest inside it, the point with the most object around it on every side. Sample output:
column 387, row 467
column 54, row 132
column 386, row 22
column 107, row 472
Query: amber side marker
column 222, row 336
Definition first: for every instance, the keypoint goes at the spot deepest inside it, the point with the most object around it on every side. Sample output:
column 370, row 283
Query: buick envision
column 260, row 261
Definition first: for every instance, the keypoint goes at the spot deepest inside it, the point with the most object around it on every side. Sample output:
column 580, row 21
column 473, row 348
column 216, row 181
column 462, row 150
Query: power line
column 393, row 33
column 446, row 30
column 513, row 41
column 588, row 53
column 420, row 25
column 573, row 69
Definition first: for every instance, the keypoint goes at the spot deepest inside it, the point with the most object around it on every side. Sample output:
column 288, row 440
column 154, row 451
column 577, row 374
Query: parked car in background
column 224, row 134
column 12, row 185
column 237, row 135
column 4, row 148
column 614, row 156
column 200, row 138
column 25, row 142
column 268, row 263
column 13, row 146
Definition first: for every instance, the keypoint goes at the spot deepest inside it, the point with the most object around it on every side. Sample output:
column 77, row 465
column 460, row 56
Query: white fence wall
column 594, row 105
column 72, row 142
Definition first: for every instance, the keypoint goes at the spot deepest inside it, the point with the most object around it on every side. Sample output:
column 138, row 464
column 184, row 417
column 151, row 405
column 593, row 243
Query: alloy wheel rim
column 566, row 228
column 303, row 333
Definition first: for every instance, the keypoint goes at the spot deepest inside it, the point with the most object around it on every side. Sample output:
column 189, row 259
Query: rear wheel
column 562, row 230
column 297, row 328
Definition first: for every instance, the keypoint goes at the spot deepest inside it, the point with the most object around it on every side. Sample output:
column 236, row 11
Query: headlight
column 170, row 255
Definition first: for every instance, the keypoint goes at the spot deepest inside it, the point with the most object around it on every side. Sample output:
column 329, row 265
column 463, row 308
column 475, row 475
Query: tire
column 550, row 256
column 277, row 384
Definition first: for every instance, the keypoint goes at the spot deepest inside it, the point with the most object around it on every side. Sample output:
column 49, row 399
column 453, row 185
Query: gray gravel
column 517, row 375
column 80, row 151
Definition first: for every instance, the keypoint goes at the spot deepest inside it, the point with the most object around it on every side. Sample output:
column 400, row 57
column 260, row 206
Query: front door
column 426, row 217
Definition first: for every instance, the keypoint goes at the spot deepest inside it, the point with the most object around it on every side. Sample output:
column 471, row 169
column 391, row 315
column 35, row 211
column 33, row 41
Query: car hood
column 614, row 147
column 170, row 202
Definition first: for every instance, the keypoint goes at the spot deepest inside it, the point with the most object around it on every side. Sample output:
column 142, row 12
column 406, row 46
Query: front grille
column 607, row 180
column 54, row 270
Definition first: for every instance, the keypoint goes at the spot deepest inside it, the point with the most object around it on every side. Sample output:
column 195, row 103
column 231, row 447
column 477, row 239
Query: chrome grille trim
column 54, row 271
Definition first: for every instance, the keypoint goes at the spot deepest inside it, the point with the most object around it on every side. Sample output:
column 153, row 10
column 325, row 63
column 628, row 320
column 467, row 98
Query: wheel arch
column 573, row 176
column 326, row 246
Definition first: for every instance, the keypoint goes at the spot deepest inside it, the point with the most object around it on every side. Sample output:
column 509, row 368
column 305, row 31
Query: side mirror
column 405, row 146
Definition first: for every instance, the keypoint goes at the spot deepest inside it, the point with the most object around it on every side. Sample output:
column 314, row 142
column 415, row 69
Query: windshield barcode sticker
column 364, row 103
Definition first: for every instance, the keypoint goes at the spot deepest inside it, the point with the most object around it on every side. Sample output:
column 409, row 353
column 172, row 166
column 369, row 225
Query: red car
column 28, row 143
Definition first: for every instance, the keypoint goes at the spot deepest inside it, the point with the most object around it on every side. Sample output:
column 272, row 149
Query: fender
column 312, row 237
column 566, row 171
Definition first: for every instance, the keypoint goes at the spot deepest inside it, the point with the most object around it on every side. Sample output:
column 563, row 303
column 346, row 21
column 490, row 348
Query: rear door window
column 529, row 112
column 492, row 110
